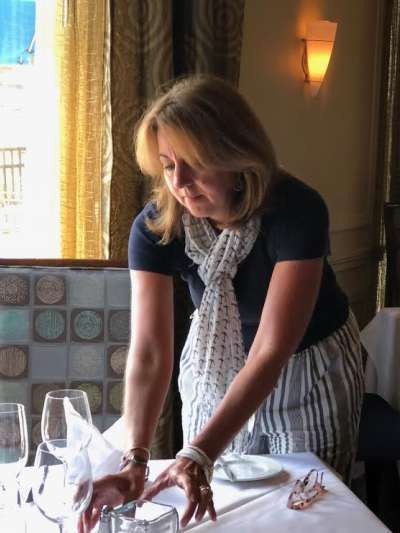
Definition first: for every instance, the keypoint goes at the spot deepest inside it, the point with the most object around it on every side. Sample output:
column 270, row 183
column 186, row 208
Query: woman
column 272, row 361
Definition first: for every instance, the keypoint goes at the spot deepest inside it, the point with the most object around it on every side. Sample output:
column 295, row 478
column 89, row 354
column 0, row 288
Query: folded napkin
column 104, row 456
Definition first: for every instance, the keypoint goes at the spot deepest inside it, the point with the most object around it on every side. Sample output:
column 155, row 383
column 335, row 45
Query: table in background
column 381, row 339
column 260, row 506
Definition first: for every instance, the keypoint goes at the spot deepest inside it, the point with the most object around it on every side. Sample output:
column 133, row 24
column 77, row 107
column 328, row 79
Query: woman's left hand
column 190, row 477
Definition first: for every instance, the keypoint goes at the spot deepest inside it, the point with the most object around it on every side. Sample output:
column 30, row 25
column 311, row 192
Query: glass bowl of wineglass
column 66, row 415
column 62, row 483
column 13, row 457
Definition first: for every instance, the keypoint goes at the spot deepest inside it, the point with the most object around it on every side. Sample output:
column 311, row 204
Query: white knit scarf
column 217, row 352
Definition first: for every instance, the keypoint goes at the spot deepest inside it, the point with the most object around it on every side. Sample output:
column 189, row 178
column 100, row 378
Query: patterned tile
column 118, row 289
column 94, row 390
column 49, row 361
column 14, row 289
column 87, row 325
column 13, row 391
column 116, row 360
column 86, row 361
column 50, row 325
column 50, row 290
column 14, row 325
column 38, row 393
column 114, row 396
column 36, row 433
column 119, row 325
column 86, row 289
column 14, row 361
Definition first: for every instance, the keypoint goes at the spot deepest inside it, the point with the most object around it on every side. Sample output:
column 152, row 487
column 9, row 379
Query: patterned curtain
column 389, row 134
column 208, row 37
column 82, row 33
column 141, row 60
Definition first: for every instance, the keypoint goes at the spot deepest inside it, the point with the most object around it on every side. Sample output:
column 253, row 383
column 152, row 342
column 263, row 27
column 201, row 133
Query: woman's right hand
column 113, row 490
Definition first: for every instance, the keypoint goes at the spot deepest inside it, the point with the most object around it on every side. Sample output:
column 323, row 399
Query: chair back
column 391, row 213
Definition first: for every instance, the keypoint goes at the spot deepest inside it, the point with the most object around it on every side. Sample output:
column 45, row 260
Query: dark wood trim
column 66, row 263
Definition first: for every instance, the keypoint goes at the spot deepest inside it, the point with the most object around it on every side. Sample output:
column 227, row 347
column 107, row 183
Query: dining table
column 261, row 505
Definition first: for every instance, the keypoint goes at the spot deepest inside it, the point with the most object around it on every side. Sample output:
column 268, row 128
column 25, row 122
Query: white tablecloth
column 381, row 339
column 260, row 506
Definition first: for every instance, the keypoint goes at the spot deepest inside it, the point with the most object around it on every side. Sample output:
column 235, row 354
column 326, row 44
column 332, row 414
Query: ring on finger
column 205, row 490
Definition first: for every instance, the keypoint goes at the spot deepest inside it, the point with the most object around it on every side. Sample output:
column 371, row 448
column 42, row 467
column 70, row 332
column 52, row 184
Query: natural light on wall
column 319, row 41
column 29, row 134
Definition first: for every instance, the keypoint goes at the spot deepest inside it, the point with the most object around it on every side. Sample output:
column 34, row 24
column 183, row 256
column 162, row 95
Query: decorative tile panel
column 64, row 327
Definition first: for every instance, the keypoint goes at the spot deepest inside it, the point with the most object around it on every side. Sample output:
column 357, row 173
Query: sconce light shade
column 319, row 41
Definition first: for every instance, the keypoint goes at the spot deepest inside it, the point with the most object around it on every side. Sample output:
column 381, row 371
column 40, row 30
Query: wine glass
column 62, row 482
column 66, row 415
column 13, row 455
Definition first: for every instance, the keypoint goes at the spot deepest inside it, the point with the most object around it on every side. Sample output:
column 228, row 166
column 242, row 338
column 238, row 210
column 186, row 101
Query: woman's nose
column 183, row 176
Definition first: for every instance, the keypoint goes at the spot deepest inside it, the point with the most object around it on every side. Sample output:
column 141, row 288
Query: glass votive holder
column 139, row 516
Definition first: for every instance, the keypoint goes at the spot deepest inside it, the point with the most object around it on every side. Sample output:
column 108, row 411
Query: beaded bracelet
column 200, row 457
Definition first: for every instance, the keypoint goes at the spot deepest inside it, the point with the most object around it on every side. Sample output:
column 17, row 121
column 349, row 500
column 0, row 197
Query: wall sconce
column 318, row 45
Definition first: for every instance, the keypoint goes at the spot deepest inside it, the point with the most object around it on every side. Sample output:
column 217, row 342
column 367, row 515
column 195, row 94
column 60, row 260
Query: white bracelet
column 200, row 457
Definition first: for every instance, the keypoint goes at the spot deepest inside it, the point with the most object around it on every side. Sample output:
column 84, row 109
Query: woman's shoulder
column 145, row 252
column 291, row 197
column 289, row 188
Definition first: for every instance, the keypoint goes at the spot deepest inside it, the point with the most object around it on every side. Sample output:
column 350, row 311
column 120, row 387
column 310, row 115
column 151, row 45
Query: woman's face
column 203, row 193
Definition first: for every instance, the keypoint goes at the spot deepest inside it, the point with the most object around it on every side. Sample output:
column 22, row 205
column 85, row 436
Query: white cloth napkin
column 104, row 456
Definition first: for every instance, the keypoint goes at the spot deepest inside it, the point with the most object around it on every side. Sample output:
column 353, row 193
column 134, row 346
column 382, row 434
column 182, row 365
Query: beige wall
column 327, row 140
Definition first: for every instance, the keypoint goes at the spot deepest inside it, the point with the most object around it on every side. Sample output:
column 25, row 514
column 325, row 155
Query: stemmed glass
column 13, row 453
column 62, row 484
column 66, row 415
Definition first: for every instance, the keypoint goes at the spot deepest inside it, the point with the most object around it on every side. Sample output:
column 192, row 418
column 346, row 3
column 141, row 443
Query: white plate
column 247, row 467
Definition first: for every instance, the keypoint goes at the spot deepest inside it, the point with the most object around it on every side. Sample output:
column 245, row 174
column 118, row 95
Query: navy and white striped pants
column 315, row 405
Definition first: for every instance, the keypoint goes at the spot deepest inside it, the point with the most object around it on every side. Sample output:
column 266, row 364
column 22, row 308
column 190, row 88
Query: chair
column 379, row 449
column 391, row 217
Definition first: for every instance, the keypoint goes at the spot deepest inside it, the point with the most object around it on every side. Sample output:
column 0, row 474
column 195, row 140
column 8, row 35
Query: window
column 29, row 190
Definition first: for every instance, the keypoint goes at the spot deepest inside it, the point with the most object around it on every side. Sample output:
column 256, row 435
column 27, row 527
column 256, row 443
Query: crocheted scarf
column 217, row 352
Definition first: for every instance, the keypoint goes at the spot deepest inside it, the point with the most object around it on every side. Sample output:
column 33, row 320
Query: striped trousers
column 315, row 405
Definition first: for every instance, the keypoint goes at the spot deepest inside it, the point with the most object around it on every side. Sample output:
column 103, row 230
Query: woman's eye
column 168, row 169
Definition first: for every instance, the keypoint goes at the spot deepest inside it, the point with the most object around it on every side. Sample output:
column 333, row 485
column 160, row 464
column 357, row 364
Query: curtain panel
column 141, row 60
column 208, row 37
column 388, row 164
column 82, row 49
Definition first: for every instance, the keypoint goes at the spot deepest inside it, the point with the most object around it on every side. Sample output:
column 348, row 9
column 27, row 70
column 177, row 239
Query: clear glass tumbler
column 140, row 516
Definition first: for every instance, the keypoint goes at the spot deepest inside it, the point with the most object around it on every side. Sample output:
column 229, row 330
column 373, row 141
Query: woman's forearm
column 245, row 394
column 146, row 387
column 150, row 359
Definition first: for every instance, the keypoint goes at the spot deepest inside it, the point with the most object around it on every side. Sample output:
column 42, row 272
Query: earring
column 239, row 184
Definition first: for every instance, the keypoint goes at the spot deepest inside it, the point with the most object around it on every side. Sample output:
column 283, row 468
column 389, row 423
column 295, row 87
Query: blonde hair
column 211, row 126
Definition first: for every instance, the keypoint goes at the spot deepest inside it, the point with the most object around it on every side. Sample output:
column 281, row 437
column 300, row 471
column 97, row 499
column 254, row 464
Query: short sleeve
column 144, row 249
column 301, row 229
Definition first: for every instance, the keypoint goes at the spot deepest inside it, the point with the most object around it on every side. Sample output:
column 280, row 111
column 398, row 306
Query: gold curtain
column 83, row 41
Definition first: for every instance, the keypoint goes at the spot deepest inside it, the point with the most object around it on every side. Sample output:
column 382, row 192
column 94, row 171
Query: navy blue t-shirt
column 295, row 225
